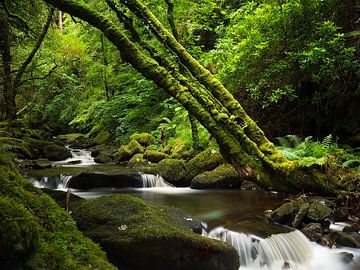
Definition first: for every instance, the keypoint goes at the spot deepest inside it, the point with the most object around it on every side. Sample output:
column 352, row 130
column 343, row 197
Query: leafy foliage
column 308, row 152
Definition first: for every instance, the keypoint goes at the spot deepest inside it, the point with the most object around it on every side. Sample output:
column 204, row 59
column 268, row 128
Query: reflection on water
column 236, row 210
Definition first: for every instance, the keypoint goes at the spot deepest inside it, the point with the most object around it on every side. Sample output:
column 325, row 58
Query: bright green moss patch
column 145, row 139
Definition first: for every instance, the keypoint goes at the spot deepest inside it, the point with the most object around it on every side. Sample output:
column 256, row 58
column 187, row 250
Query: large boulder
column 86, row 180
column 154, row 156
column 178, row 149
column 138, row 235
column 126, row 152
column 313, row 231
column 346, row 239
column 138, row 161
column 224, row 176
column 286, row 212
column 318, row 212
column 173, row 171
column 46, row 149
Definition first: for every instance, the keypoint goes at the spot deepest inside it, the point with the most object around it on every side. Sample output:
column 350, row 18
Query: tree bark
column 8, row 91
column 241, row 141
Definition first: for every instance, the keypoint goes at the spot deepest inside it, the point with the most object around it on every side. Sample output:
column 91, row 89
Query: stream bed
column 234, row 216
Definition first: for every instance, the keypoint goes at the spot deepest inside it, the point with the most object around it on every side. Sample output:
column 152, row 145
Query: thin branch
column 17, row 80
column 39, row 78
column 16, row 18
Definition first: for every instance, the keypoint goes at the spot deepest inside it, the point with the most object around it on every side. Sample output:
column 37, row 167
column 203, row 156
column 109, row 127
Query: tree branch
column 39, row 78
column 20, row 73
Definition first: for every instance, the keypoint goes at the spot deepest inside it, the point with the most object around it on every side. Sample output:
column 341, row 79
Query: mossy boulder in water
column 138, row 161
column 35, row 233
column 318, row 212
column 173, row 171
column 145, row 139
column 126, row 152
column 144, row 236
column 224, row 176
column 89, row 180
column 286, row 212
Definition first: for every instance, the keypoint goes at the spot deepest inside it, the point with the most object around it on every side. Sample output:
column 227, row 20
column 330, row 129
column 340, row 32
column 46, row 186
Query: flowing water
column 233, row 216
column 80, row 157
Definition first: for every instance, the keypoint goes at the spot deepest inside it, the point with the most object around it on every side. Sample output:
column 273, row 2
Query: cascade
column 53, row 182
column 151, row 181
column 80, row 157
column 279, row 251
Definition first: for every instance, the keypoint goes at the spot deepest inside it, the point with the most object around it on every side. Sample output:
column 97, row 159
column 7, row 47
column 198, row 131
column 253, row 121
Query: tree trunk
column 241, row 141
column 8, row 91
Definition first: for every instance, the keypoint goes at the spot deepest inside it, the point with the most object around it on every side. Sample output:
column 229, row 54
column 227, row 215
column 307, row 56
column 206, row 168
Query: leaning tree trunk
column 242, row 142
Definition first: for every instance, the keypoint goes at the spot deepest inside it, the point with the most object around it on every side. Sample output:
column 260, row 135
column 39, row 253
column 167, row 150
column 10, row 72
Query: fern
column 308, row 152
column 8, row 149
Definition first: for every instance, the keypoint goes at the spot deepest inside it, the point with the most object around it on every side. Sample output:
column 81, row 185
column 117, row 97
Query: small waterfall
column 80, row 157
column 280, row 251
column 151, row 181
column 52, row 182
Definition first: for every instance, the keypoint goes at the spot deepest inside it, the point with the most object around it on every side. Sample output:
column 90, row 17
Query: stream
column 233, row 216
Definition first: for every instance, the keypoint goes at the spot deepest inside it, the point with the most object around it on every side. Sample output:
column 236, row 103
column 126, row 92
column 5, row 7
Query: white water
column 154, row 181
column 55, row 182
column 280, row 251
column 80, row 158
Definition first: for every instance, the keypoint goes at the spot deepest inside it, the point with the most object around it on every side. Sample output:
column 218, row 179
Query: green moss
column 102, row 137
column 19, row 230
column 74, row 140
column 178, row 149
column 138, row 161
column 174, row 171
column 138, row 232
column 207, row 160
column 154, row 156
column 126, row 152
column 145, row 139
column 224, row 176
column 46, row 149
column 41, row 230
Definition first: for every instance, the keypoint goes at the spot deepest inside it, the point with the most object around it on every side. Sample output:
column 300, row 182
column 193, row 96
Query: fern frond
column 351, row 163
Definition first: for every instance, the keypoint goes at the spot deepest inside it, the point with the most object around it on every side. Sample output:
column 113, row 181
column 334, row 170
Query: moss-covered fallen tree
column 241, row 140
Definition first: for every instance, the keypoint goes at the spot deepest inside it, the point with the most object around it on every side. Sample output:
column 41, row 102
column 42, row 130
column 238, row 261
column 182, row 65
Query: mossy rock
column 224, row 176
column 144, row 236
column 126, row 152
column 138, row 161
column 103, row 137
column 74, row 140
column 318, row 212
column 46, row 149
column 89, row 180
column 286, row 212
column 145, row 139
column 154, row 156
column 207, row 160
column 173, row 171
column 43, row 235
column 345, row 239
